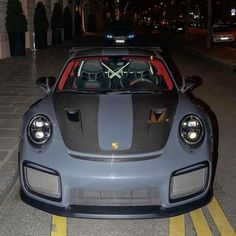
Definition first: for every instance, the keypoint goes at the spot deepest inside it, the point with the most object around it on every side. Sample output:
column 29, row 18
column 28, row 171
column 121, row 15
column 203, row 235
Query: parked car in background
column 177, row 26
column 116, row 136
column 119, row 33
column 221, row 33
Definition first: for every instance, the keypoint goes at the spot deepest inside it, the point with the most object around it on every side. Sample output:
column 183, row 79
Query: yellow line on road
column 220, row 219
column 58, row 226
column 177, row 226
column 200, row 223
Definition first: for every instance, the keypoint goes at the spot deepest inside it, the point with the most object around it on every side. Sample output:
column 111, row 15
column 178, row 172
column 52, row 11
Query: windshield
column 221, row 28
column 115, row 74
column 121, row 29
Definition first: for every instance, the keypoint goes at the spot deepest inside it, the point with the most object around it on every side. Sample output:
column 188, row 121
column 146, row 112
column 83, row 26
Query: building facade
column 86, row 8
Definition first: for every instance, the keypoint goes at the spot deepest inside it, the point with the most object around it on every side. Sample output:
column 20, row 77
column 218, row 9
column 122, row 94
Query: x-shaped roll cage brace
column 116, row 72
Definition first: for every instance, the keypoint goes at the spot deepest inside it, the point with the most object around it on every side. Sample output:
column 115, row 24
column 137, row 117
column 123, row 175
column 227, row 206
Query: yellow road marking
column 220, row 219
column 58, row 227
column 200, row 223
column 177, row 226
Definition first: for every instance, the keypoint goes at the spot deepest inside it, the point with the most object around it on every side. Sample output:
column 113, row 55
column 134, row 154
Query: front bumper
column 117, row 212
column 222, row 39
column 119, row 177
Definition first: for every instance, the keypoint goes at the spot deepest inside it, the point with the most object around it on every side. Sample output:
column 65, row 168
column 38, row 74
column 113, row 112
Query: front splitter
column 117, row 212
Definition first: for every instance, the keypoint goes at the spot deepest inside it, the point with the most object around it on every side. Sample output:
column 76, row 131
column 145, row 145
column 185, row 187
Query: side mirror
column 190, row 82
column 46, row 83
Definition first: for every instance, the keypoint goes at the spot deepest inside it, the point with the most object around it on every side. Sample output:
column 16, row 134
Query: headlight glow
column 109, row 36
column 39, row 129
column 191, row 130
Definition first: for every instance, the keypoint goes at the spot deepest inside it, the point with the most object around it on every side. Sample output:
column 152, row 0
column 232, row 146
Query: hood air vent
column 73, row 114
column 157, row 115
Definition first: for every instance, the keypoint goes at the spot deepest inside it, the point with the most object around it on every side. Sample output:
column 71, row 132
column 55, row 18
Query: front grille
column 139, row 197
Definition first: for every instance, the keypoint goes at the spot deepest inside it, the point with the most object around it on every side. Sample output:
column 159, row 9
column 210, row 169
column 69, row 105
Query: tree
column 40, row 26
column 67, row 24
column 40, row 18
column 77, row 22
column 16, row 26
column 56, row 23
column 15, row 19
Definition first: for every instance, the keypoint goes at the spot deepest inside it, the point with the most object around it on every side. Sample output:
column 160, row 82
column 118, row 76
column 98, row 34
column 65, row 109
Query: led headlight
column 131, row 36
column 39, row 129
column 191, row 130
column 109, row 36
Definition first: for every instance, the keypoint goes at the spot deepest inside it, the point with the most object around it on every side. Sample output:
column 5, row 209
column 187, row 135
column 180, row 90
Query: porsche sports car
column 116, row 136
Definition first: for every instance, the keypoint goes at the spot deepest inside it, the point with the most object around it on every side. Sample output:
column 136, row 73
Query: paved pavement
column 18, row 91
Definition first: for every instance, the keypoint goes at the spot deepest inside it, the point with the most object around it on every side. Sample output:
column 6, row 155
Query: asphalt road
column 218, row 218
column 218, row 92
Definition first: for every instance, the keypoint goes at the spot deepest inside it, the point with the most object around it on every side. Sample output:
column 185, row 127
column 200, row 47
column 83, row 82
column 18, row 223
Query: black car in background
column 119, row 33
column 177, row 26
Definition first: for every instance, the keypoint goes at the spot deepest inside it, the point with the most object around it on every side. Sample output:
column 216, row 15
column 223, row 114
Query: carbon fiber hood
column 115, row 124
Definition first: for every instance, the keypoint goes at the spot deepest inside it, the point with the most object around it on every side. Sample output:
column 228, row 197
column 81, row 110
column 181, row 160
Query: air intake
column 138, row 197
column 157, row 115
column 73, row 114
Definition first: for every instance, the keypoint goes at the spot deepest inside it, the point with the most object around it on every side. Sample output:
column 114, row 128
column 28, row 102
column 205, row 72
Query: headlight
column 39, row 129
column 191, row 130
column 131, row 36
column 109, row 36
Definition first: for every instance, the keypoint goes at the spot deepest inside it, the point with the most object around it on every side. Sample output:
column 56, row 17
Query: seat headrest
column 92, row 66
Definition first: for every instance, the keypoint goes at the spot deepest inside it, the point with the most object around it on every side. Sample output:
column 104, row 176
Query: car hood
column 115, row 124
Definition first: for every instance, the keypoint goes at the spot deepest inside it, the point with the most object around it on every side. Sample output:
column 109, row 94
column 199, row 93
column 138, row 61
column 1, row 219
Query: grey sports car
column 116, row 136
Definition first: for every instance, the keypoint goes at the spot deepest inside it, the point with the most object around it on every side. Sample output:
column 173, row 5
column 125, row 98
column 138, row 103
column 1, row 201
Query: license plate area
column 120, row 41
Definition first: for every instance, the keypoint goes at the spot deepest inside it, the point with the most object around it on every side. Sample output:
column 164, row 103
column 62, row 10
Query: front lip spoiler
column 117, row 212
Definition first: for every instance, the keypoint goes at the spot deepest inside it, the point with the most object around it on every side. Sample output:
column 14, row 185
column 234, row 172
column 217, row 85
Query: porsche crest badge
column 115, row 145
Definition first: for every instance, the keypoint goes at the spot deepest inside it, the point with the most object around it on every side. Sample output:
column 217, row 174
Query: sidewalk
column 18, row 91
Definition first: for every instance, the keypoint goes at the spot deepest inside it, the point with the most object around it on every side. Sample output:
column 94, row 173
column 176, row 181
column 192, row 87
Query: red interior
column 160, row 68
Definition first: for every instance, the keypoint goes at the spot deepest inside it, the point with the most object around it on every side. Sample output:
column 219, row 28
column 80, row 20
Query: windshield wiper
column 134, row 92
column 110, row 92
column 80, row 91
